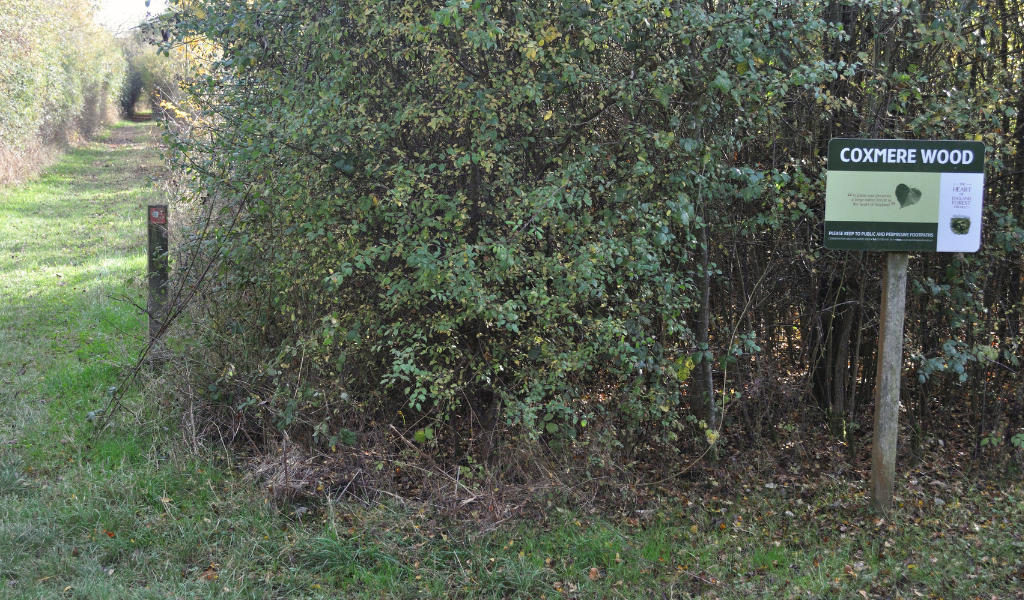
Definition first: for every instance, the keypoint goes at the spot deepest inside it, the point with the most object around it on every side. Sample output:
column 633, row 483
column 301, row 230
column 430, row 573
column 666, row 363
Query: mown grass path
column 131, row 512
column 87, row 513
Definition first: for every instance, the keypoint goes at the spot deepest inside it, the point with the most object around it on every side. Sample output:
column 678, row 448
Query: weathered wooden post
column 900, row 196
column 887, row 388
column 157, row 268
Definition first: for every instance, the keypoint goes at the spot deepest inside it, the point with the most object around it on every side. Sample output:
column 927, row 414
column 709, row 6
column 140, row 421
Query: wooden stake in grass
column 887, row 391
column 157, row 269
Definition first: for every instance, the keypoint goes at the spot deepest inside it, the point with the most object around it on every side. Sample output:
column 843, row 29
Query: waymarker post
column 156, row 273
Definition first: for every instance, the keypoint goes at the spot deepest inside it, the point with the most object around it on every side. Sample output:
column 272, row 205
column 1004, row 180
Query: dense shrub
column 486, row 205
column 59, row 73
column 131, row 92
column 565, row 215
column 151, row 77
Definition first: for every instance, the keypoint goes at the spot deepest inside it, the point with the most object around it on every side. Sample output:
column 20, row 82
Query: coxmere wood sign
column 904, row 195
column 900, row 196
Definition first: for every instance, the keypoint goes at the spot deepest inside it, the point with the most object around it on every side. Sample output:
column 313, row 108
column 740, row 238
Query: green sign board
column 904, row 195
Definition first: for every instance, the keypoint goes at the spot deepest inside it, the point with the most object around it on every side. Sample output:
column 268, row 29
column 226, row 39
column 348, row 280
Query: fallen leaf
column 594, row 574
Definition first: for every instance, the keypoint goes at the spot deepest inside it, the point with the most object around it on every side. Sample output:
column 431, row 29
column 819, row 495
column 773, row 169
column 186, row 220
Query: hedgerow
column 151, row 78
column 583, row 221
column 487, row 211
column 59, row 74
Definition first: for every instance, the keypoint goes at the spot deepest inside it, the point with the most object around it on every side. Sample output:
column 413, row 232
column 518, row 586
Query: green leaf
column 347, row 437
column 722, row 82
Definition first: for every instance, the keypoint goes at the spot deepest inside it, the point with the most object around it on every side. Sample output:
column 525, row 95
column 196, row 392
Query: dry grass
column 17, row 166
column 386, row 466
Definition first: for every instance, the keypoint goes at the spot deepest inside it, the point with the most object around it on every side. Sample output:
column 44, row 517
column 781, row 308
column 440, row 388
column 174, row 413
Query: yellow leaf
column 548, row 115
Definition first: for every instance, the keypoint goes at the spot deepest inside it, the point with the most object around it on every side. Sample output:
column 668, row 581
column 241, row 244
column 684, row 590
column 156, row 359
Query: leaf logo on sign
column 907, row 196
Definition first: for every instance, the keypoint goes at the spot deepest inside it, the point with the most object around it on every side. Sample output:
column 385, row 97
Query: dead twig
column 349, row 484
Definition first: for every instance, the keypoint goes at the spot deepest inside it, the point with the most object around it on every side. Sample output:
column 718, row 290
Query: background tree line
column 589, row 227
column 60, row 75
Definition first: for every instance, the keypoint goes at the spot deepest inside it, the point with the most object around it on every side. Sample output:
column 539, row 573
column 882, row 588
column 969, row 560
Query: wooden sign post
column 900, row 196
column 157, row 267
column 887, row 388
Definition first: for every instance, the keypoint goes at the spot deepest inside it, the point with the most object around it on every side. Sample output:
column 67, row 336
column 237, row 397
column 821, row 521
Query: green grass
column 129, row 512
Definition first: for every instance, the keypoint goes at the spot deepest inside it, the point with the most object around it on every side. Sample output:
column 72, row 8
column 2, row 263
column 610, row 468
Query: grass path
column 86, row 514
column 129, row 512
